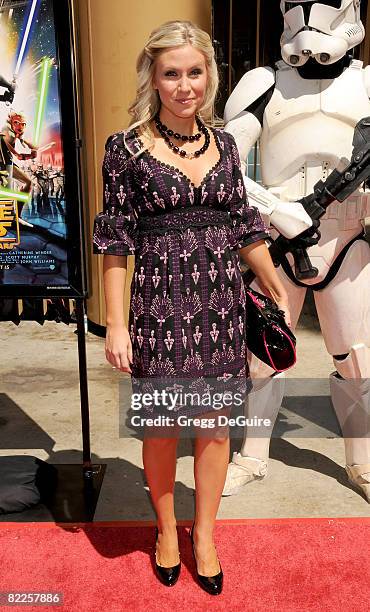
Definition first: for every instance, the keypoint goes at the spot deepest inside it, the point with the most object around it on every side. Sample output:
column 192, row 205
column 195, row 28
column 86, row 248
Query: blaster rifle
column 338, row 186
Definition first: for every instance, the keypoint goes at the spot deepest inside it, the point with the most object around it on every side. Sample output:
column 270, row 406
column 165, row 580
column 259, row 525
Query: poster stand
column 90, row 471
column 84, row 395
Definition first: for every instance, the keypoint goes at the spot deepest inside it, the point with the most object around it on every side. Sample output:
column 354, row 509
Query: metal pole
column 84, row 398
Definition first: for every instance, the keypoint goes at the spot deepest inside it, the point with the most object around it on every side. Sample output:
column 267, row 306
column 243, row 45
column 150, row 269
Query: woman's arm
column 114, row 237
column 258, row 258
column 118, row 348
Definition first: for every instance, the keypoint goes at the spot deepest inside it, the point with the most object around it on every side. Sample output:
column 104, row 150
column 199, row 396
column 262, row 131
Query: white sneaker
column 242, row 470
column 24, row 222
column 359, row 476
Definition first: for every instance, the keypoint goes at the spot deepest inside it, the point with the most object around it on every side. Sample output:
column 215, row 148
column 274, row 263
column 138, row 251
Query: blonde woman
column 175, row 197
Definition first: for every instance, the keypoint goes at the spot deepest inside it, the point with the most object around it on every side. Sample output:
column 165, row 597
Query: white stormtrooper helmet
column 322, row 29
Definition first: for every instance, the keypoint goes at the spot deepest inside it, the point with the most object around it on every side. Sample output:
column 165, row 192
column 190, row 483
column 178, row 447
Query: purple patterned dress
column 187, row 308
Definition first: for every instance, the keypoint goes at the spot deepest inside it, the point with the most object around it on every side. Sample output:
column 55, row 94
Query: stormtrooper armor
column 304, row 114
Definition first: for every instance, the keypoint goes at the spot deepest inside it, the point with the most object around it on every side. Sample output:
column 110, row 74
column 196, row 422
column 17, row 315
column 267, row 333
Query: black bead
column 167, row 133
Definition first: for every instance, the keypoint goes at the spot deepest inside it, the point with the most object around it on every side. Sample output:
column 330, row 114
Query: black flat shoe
column 167, row 575
column 211, row 584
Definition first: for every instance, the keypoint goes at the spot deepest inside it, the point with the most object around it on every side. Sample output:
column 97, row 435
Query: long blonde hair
column 169, row 35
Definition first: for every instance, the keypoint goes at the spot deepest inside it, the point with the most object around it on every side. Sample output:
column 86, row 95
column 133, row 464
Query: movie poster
column 33, row 227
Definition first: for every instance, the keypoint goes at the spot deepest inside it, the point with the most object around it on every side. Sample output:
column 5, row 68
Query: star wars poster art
column 33, row 227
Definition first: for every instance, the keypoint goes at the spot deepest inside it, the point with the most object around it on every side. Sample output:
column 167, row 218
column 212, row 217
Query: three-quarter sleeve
column 246, row 221
column 115, row 228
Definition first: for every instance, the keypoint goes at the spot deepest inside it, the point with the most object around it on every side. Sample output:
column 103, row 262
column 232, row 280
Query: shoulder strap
column 332, row 272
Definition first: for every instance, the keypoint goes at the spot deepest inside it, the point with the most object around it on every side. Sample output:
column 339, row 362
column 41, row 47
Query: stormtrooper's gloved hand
column 309, row 237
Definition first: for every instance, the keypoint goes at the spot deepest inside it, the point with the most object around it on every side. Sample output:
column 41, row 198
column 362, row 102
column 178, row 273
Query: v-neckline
column 180, row 172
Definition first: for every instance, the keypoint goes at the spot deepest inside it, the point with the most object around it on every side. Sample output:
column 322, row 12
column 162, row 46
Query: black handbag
column 268, row 336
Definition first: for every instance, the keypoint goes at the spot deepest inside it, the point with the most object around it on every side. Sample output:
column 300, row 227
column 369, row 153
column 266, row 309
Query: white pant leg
column 343, row 309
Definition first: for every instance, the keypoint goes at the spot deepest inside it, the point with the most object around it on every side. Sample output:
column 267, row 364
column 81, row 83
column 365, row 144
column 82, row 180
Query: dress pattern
column 187, row 305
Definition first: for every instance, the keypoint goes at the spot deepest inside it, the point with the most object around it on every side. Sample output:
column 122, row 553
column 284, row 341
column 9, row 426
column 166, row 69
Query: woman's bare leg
column 159, row 459
column 211, row 458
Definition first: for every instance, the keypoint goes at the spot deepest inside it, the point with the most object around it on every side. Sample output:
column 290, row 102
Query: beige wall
column 110, row 35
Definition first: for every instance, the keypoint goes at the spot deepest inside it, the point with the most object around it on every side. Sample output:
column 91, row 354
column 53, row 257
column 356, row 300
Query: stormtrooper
column 303, row 113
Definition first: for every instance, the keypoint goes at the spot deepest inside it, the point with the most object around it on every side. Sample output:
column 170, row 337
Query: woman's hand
column 284, row 306
column 118, row 347
column 257, row 256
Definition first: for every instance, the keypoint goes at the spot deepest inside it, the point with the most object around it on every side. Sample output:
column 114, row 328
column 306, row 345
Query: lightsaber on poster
column 46, row 147
column 26, row 36
column 21, row 196
column 43, row 91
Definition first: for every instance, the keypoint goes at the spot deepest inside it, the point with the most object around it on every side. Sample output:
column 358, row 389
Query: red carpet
column 281, row 565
